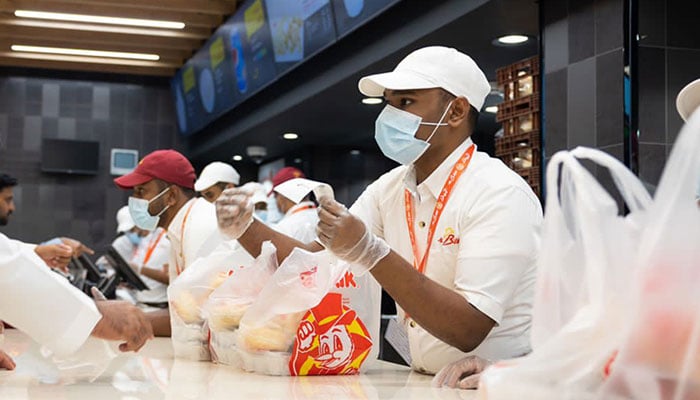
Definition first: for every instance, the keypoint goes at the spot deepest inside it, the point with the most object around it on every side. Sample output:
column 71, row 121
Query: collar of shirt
column 175, row 227
column 301, row 205
column 433, row 184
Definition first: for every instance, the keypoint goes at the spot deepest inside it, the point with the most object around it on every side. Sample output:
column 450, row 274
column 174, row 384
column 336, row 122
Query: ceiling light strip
column 97, row 19
column 85, row 52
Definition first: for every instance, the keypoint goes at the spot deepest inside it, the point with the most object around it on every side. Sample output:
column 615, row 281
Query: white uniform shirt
column 124, row 247
column 159, row 256
column 40, row 302
column 199, row 238
column 299, row 222
column 484, row 248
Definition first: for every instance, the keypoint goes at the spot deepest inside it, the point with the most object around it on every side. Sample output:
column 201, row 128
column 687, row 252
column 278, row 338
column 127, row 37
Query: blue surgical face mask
column 261, row 214
column 395, row 132
column 138, row 208
column 133, row 237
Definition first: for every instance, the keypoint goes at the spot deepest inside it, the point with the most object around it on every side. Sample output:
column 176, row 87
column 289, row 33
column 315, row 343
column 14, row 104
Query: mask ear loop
column 439, row 123
column 157, row 196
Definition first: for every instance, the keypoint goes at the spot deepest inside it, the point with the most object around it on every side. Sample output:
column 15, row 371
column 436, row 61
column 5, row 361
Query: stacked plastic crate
column 520, row 145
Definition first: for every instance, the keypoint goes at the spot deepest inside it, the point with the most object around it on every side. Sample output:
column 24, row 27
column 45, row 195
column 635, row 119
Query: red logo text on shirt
column 448, row 238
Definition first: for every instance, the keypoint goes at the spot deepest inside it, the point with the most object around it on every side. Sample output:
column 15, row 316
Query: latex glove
column 121, row 321
column 78, row 248
column 234, row 212
column 55, row 255
column 6, row 361
column 462, row 374
column 347, row 237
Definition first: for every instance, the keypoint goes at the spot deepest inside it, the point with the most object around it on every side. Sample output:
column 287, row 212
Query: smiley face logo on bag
column 331, row 340
column 448, row 238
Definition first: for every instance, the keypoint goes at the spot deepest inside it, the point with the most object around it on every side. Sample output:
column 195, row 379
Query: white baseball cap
column 258, row 192
column 433, row 67
column 688, row 99
column 124, row 220
column 214, row 173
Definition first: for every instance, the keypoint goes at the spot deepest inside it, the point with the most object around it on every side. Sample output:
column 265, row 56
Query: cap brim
column 203, row 184
column 374, row 85
column 125, row 227
column 688, row 99
column 130, row 180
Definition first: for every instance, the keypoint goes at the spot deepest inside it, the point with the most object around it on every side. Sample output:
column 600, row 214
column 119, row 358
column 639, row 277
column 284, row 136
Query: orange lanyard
column 306, row 207
column 179, row 268
column 456, row 172
column 152, row 246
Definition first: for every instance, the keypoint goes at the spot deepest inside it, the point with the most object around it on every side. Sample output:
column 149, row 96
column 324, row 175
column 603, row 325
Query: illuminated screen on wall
column 262, row 41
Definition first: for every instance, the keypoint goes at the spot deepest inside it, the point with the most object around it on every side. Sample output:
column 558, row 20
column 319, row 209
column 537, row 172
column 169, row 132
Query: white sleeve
column 41, row 303
column 366, row 208
column 498, row 249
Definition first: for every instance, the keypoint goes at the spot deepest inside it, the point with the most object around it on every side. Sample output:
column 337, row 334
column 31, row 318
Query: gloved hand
column 234, row 212
column 462, row 374
column 347, row 237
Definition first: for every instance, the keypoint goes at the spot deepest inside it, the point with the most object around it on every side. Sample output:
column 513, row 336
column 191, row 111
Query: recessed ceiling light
column 290, row 136
column 237, row 157
column 491, row 109
column 372, row 100
column 98, row 19
column 85, row 52
column 298, row 160
column 355, row 152
column 513, row 39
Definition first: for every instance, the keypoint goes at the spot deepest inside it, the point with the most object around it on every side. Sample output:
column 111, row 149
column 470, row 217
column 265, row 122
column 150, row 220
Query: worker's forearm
column 155, row 274
column 160, row 322
column 439, row 310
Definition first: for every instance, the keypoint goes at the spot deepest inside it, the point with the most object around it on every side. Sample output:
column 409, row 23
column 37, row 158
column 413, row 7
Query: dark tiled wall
column 582, row 50
column 669, row 58
column 122, row 115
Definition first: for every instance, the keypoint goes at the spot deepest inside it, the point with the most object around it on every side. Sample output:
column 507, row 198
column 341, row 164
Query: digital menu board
column 259, row 43
column 300, row 28
column 350, row 14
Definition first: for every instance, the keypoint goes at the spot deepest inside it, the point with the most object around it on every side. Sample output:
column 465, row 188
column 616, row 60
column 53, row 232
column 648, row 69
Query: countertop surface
column 99, row 371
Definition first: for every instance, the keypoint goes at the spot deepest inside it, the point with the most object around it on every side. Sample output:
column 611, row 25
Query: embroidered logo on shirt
column 448, row 238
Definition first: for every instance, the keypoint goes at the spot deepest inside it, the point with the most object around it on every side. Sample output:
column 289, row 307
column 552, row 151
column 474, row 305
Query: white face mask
column 138, row 208
column 395, row 132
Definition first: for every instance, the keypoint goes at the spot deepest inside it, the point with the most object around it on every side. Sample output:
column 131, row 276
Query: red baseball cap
column 284, row 175
column 166, row 165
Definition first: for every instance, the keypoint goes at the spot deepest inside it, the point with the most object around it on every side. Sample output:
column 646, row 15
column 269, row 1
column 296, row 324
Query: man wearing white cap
column 451, row 234
column 128, row 234
column 688, row 102
column 215, row 178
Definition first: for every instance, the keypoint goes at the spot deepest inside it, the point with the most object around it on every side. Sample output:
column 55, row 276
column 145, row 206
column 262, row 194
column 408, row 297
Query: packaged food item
column 227, row 304
column 187, row 295
column 314, row 317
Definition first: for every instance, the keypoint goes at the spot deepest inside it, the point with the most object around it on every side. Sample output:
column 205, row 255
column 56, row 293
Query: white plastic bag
column 229, row 302
column 268, row 328
column 364, row 295
column 307, row 320
column 660, row 357
column 584, row 287
column 188, row 293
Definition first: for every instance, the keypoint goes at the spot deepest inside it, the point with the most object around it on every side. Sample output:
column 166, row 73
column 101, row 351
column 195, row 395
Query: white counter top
column 100, row 372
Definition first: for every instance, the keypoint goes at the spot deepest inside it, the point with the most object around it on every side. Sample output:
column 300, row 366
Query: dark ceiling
column 334, row 115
